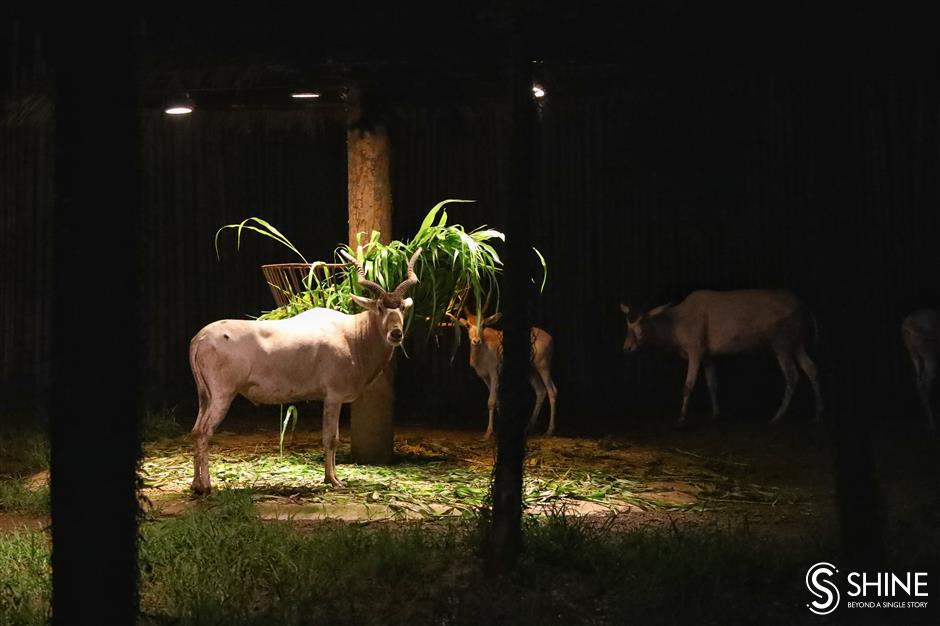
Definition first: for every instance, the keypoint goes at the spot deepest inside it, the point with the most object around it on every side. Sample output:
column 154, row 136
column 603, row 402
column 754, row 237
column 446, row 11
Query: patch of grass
column 25, row 578
column 576, row 570
column 157, row 425
column 220, row 564
column 23, row 451
column 18, row 497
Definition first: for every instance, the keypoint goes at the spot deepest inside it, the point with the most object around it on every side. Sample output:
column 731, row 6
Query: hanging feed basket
column 288, row 279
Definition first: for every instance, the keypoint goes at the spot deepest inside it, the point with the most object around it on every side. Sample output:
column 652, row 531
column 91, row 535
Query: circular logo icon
column 823, row 589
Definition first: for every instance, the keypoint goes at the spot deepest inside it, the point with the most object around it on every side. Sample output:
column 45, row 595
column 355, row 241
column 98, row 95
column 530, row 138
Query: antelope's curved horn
column 412, row 279
column 486, row 304
column 364, row 282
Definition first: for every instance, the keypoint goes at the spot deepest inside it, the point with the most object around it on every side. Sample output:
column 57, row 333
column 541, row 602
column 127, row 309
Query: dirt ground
column 775, row 481
column 688, row 478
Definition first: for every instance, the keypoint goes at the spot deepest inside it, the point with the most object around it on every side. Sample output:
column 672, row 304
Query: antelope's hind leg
column 552, row 392
column 812, row 373
column 695, row 360
column 792, row 377
column 210, row 416
column 711, row 377
column 539, row 390
column 924, row 383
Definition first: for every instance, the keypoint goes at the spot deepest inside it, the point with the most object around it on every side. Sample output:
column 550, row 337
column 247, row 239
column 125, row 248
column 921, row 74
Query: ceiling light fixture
column 182, row 105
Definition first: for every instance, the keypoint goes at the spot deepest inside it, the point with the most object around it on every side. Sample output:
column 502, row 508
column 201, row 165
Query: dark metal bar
column 95, row 336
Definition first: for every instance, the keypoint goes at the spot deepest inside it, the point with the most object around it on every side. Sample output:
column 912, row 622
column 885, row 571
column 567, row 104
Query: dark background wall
column 651, row 191
column 26, row 208
column 652, row 185
column 214, row 169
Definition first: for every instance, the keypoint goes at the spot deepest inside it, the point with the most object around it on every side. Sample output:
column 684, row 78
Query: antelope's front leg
column 331, row 411
column 491, row 404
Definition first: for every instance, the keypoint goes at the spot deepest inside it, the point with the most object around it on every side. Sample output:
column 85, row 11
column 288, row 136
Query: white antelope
column 709, row 323
column 486, row 357
column 319, row 354
column 921, row 333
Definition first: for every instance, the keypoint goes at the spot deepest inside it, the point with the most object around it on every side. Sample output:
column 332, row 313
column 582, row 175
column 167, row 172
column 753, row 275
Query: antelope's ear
column 625, row 309
column 658, row 310
column 367, row 303
column 407, row 302
column 492, row 319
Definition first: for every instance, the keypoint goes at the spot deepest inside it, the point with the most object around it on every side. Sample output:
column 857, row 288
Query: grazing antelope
column 486, row 357
column 319, row 354
column 709, row 323
column 921, row 333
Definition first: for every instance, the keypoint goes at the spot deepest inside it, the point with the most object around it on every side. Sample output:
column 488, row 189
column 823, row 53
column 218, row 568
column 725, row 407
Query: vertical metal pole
column 843, row 313
column 505, row 539
column 95, row 323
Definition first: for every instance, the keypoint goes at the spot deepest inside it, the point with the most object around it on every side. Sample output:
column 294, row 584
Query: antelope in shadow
column 711, row 323
column 320, row 354
column 921, row 333
column 486, row 358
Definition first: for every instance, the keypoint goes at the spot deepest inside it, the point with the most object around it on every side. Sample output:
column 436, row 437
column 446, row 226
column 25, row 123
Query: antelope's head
column 389, row 306
column 637, row 324
column 478, row 332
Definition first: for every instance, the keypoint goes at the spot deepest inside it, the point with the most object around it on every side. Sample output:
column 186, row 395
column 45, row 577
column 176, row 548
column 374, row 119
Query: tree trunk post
column 370, row 208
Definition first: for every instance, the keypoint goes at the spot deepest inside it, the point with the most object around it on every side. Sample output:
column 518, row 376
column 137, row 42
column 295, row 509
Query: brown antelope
column 921, row 333
column 319, row 354
column 709, row 323
column 486, row 357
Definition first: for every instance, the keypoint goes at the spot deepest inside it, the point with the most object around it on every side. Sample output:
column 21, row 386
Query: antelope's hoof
column 200, row 489
column 776, row 421
column 549, row 432
column 487, row 435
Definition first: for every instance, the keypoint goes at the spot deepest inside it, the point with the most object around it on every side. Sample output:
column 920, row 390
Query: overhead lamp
column 180, row 105
column 538, row 91
column 303, row 95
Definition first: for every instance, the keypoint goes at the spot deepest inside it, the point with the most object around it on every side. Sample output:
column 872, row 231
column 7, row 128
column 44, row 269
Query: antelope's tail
column 202, row 389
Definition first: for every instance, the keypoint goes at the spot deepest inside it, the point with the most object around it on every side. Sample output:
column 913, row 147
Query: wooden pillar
column 370, row 208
